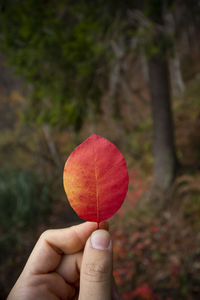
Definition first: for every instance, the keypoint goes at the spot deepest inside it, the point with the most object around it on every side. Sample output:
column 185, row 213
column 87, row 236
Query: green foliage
column 24, row 200
column 155, row 9
column 63, row 50
column 192, row 94
column 154, row 42
column 58, row 48
column 140, row 141
column 153, row 36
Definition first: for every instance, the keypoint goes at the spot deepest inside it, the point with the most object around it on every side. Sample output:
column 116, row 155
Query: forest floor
column 156, row 255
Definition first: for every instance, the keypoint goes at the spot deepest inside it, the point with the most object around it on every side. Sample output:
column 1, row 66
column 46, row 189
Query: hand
column 58, row 269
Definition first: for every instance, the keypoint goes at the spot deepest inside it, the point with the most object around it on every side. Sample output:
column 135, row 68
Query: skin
column 67, row 264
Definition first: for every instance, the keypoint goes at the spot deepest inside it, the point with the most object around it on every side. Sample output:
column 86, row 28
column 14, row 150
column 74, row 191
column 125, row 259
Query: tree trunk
column 177, row 82
column 144, row 67
column 165, row 161
column 52, row 146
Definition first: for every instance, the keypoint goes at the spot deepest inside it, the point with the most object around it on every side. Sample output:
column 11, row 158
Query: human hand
column 59, row 269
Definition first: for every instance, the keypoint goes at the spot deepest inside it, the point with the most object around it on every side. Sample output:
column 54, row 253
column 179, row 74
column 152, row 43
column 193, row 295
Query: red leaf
column 142, row 292
column 154, row 229
column 96, row 179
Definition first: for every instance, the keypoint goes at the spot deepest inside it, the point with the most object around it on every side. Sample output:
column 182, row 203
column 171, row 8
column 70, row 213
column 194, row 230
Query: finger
column 69, row 267
column 53, row 284
column 96, row 269
column 42, row 286
column 46, row 254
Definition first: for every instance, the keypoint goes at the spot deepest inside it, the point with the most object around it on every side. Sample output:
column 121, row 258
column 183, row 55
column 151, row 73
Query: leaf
column 142, row 292
column 96, row 179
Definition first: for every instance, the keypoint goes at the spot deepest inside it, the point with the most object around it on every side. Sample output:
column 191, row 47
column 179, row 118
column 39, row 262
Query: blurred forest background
column 126, row 70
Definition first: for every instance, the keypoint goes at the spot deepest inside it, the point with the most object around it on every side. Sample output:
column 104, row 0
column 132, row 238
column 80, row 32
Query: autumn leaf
column 142, row 292
column 96, row 179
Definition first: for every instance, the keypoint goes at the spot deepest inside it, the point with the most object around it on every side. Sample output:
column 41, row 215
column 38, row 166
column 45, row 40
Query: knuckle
column 42, row 289
column 45, row 234
column 97, row 272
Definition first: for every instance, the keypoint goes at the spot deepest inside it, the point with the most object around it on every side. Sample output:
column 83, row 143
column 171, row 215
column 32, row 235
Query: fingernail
column 100, row 239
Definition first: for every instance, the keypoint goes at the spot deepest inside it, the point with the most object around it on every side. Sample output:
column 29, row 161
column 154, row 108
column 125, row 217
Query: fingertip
column 101, row 240
column 94, row 225
column 90, row 226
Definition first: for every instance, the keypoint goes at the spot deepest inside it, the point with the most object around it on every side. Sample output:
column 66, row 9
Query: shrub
column 24, row 200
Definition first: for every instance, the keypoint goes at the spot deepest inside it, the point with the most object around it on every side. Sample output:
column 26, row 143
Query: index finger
column 47, row 252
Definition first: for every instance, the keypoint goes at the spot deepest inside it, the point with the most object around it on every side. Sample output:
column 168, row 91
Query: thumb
column 96, row 268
